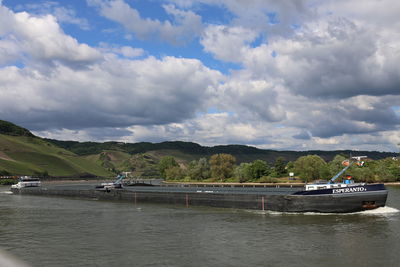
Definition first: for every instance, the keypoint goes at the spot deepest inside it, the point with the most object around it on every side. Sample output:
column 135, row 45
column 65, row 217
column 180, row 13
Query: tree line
column 223, row 168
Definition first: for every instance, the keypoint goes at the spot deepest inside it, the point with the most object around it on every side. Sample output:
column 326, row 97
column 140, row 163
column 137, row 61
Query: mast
column 350, row 162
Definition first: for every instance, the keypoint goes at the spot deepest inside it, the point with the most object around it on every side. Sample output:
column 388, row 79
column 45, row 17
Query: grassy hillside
column 140, row 165
column 29, row 155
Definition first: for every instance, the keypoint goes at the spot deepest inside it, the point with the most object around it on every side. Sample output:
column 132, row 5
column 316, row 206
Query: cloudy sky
column 292, row 74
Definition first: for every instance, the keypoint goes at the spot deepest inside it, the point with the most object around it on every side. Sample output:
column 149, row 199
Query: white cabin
column 27, row 181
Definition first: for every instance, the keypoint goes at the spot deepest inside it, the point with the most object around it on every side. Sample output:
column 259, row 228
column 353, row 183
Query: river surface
column 50, row 231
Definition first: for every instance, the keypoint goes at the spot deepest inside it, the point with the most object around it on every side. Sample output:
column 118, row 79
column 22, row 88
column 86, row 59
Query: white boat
column 27, row 181
column 112, row 185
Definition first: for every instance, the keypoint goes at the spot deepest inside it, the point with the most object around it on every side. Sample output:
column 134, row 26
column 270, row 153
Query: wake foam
column 379, row 211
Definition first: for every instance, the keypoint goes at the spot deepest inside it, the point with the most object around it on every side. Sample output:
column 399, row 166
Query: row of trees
column 223, row 167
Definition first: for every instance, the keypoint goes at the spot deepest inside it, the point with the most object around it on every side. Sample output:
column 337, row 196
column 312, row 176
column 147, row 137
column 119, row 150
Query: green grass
column 18, row 168
column 31, row 154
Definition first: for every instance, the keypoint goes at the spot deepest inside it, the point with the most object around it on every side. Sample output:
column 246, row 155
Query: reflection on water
column 48, row 231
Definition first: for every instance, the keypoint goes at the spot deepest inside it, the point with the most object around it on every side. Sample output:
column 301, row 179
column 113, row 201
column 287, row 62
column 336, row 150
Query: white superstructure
column 331, row 185
column 27, row 181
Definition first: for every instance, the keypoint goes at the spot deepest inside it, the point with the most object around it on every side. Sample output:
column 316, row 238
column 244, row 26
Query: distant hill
column 188, row 151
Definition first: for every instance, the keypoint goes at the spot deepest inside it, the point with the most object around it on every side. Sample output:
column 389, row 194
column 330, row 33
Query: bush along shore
column 223, row 168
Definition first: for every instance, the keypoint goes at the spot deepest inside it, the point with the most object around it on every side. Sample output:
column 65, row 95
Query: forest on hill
column 189, row 150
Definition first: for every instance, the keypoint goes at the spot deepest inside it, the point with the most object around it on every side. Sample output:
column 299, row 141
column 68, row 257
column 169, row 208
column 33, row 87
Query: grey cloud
column 253, row 99
column 256, row 14
column 142, row 92
column 344, row 60
column 335, row 119
column 107, row 133
column 303, row 135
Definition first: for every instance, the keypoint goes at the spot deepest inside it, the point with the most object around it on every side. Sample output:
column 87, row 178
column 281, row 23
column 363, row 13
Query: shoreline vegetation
column 22, row 153
column 223, row 168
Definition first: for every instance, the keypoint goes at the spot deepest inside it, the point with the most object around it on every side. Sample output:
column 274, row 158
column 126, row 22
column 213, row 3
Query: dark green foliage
column 4, row 173
column 141, row 166
column 199, row 169
column 7, row 181
column 166, row 163
column 259, row 168
column 280, row 167
column 9, row 128
column 174, row 173
column 222, row 166
column 252, row 171
column 310, row 168
column 243, row 172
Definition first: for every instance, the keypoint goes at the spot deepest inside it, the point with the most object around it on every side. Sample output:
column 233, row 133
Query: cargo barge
column 260, row 199
column 329, row 197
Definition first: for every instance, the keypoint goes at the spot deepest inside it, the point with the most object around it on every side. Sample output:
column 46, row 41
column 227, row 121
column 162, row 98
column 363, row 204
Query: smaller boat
column 26, row 181
column 113, row 185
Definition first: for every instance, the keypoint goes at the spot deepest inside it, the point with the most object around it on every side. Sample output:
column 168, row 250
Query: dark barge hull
column 325, row 203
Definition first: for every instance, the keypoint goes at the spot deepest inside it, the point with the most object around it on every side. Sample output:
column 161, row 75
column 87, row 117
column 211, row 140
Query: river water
column 49, row 231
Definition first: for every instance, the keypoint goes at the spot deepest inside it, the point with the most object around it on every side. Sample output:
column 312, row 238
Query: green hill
column 187, row 151
column 29, row 155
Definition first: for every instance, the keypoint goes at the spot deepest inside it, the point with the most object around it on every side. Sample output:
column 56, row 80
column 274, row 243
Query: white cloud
column 124, row 92
column 227, row 43
column 185, row 25
column 41, row 40
column 64, row 15
column 124, row 51
column 329, row 82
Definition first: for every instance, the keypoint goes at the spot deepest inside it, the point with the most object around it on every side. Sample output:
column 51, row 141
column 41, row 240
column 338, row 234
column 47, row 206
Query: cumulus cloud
column 333, row 76
column 312, row 75
column 124, row 51
column 41, row 40
column 336, row 58
column 254, row 100
column 227, row 43
column 185, row 25
column 125, row 92
column 63, row 14
column 269, row 17
column 111, row 91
